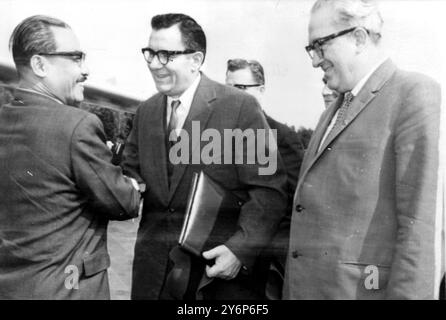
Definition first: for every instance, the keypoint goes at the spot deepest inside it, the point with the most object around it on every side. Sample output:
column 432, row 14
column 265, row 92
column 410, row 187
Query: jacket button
column 295, row 254
column 171, row 210
column 299, row 208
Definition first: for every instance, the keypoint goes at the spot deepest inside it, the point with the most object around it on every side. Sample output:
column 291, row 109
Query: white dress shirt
column 354, row 92
column 184, row 108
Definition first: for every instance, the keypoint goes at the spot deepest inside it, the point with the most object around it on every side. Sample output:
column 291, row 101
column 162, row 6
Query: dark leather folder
column 211, row 215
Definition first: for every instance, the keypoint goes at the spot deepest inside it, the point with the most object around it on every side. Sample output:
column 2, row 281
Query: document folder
column 211, row 217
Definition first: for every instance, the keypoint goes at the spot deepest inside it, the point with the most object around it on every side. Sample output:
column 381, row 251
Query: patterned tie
column 173, row 123
column 342, row 114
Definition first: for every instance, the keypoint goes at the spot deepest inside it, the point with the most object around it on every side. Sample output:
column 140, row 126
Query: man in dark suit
column 175, row 53
column 249, row 75
column 57, row 187
column 364, row 216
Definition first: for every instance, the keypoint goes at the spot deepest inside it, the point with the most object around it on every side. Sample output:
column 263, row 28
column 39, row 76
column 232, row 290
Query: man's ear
column 39, row 65
column 197, row 58
column 360, row 35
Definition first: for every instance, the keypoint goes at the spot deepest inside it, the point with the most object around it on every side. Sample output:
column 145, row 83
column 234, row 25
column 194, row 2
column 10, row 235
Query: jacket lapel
column 199, row 113
column 360, row 102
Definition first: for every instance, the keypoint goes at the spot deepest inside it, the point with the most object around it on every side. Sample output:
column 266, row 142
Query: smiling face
column 339, row 54
column 178, row 74
column 66, row 75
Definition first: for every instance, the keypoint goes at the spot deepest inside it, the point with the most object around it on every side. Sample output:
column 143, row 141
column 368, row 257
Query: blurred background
column 271, row 31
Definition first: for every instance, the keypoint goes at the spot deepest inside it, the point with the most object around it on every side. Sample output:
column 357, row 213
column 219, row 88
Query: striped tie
column 173, row 123
column 342, row 114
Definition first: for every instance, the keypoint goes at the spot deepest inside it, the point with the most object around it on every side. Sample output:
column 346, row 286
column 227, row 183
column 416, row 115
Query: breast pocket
column 355, row 161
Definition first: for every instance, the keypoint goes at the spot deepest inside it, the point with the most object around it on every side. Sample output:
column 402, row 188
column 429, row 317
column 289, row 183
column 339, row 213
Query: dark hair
column 253, row 65
column 31, row 36
column 191, row 32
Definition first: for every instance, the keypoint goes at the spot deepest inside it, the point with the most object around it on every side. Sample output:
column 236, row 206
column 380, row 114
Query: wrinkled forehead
column 65, row 39
column 321, row 24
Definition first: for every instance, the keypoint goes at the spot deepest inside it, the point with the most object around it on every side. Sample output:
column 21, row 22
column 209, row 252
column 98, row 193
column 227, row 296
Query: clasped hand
column 226, row 266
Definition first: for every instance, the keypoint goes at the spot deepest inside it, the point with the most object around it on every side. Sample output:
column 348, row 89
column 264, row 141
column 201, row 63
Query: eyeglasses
column 77, row 56
column 164, row 56
column 245, row 86
column 316, row 46
column 239, row 63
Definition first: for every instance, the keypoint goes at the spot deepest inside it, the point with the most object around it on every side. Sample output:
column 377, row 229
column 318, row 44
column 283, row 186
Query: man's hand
column 226, row 266
column 140, row 188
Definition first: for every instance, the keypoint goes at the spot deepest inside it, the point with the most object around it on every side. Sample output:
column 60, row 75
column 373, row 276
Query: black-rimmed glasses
column 77, row 56
column 164, row 56
column 245, row 86
column 316, row 46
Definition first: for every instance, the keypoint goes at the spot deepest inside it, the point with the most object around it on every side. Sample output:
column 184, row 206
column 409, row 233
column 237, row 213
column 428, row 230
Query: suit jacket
column 218, row 107
column 291, row 152
column 57, row 192
column 289, row 147
column 363, row 221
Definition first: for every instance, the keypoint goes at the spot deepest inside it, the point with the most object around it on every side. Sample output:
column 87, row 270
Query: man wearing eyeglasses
column 175, row 53
column 249, row 75
column 58, row 188
column 363, row 225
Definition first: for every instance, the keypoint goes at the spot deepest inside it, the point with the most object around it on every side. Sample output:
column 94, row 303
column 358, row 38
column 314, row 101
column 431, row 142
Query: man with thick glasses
column 161, row 270
column 58, row 188
column 364, row 214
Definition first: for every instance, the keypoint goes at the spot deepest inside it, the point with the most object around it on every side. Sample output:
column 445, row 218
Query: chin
column 163, row 88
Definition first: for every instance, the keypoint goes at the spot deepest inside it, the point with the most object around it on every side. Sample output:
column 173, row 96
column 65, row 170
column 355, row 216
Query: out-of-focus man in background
column 249, row 76
column 329, row 95
column 58, row 188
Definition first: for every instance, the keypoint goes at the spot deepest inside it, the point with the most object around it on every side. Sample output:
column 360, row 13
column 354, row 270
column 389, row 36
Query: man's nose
column 155, row 64
column 316, row 61
column 85, row 71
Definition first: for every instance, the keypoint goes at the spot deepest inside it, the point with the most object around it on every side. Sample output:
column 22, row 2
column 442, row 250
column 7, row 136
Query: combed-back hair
column 191, row 32
column 253, row 65
column 355, row 13
column 32, row 36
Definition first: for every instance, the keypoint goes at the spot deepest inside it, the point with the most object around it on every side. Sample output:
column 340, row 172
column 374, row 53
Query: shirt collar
column 362, row 82
column 42, row 94
column 188, row 95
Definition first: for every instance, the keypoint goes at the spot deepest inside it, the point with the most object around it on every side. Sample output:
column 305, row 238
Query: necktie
column 173, row 121
column 342, row 113
column 172, row 125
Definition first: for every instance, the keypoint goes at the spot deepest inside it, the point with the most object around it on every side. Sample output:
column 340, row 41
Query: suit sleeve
column 261, row 214
column 417, row 159
column 109, row 191
column 130, row 163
